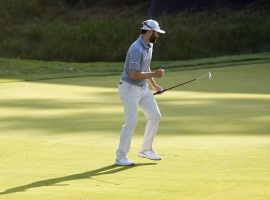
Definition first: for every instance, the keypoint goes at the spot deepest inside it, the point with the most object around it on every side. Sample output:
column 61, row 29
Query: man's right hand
column 159, row 73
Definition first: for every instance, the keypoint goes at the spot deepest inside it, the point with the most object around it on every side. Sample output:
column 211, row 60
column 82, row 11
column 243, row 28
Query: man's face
column 153, row 36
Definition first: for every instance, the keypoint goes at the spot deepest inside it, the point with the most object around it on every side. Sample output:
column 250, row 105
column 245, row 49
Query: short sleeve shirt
column 138, row 58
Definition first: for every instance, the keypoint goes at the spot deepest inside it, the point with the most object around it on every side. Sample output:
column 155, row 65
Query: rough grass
column 58, row 138
column 28, row 70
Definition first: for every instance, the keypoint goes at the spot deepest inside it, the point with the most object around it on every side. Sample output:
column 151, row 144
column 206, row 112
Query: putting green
column 58, row 139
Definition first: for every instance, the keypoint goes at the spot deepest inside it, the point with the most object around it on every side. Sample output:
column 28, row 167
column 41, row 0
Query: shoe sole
column 121, row 164
column 144, row 156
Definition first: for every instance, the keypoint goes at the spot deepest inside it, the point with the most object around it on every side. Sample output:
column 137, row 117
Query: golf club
column 209, row 75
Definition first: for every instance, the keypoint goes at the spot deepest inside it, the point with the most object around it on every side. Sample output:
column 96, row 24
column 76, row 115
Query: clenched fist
column 159, row 73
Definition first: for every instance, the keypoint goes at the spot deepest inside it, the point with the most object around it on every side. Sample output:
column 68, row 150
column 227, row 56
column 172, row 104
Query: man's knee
column 131, row 123
column 155, row 116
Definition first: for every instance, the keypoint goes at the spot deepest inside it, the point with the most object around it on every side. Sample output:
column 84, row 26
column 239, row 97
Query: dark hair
column 143, row 31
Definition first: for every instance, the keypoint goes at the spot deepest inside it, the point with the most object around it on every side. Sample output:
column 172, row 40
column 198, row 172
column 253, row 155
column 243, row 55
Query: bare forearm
column 134, row 75
column 151, row 81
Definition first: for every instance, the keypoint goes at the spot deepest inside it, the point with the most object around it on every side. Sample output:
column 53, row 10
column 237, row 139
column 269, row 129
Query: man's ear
column 150, row 32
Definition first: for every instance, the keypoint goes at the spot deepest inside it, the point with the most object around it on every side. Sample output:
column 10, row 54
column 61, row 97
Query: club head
column 209, row 76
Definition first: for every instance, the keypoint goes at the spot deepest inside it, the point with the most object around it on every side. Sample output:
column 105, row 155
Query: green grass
column 12, row 70
column 54, row 30
column 58, row 137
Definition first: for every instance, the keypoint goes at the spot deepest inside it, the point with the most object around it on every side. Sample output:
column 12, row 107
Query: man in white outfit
column 134, row 92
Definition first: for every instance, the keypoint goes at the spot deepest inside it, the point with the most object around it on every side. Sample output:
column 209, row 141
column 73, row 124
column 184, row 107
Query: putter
column 209, row 75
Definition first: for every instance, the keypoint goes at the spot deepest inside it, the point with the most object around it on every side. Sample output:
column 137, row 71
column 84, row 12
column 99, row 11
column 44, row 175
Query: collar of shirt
column 143, row 43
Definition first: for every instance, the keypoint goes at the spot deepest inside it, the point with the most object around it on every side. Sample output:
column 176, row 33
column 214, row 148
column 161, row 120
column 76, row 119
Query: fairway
column 58, row 139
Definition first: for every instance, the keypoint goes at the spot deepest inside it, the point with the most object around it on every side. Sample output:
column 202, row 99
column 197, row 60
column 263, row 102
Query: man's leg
column 130, row 102
column 152, row 113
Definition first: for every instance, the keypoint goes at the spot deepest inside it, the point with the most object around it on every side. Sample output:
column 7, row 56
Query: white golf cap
column 151, row 25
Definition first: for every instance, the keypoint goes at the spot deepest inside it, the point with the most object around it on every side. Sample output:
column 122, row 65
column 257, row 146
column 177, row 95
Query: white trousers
column 132, row 97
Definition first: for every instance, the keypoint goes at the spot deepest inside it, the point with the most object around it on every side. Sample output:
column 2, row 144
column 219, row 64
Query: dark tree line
column 158, row 7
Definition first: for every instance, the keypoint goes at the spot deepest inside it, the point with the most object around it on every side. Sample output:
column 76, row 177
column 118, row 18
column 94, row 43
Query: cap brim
column 161, row 31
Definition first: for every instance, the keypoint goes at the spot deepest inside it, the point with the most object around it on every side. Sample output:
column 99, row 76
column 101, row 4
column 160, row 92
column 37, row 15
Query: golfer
column 134, row 92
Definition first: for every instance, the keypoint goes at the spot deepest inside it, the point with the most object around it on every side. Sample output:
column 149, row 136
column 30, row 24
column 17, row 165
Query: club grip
column 159, row 92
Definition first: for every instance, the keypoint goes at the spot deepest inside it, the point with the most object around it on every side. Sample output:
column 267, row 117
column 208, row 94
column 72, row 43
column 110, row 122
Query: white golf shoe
column 150, row 155
column 123, row 161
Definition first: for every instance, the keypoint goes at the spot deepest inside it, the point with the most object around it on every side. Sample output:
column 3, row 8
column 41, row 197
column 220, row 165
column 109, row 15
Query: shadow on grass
column 111, row 169
column 185, row 116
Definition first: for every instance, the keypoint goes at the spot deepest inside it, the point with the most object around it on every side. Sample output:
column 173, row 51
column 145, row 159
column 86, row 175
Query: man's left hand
column 157, row 88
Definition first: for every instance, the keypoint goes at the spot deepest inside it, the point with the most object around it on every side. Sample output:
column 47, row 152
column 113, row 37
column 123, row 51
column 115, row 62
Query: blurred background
column 87, row 30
